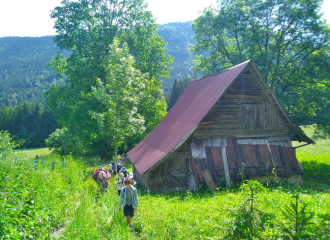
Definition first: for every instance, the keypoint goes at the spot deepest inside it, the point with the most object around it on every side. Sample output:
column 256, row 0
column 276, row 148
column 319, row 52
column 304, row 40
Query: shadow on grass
column 315, row 170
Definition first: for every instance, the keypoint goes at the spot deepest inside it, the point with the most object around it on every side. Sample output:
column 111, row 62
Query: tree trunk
column 116, row 135
column 115, row 150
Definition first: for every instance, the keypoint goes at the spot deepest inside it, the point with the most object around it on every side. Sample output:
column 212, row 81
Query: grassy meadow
column 38, row 203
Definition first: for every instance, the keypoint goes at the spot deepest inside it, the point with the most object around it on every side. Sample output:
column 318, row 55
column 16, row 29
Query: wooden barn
column 221, row 124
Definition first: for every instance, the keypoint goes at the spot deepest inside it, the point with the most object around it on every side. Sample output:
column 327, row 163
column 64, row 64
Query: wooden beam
column 208, row 180
column 271, row 156
column 225, row 165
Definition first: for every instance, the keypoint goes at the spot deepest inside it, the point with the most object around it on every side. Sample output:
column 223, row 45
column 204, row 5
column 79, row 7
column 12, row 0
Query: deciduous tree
column 286, row 39
column 87, row 29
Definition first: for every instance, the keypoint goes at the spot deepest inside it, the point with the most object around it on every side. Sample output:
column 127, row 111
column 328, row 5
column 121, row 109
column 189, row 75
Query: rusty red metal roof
column 183, row 118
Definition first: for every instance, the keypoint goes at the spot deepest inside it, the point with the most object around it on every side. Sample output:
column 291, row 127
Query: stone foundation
column 294, row 179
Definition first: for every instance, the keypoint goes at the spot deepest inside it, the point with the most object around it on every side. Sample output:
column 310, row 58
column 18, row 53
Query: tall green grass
column 38, row 203
column 315, row 159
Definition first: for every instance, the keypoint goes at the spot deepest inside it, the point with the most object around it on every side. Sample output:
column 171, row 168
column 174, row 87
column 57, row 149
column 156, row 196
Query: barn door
column 180, row 173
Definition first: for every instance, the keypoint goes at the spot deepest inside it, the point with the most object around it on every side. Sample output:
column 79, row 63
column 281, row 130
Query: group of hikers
column 128, row 197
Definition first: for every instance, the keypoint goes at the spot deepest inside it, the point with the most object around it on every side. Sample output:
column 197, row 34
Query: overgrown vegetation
column 40, row 203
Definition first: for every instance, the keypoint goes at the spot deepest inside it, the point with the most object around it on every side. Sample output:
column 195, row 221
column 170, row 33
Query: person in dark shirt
column 125, row 172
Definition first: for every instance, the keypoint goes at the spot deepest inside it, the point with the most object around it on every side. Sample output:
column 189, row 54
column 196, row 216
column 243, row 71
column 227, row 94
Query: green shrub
column 64, row 143
column 7, row 144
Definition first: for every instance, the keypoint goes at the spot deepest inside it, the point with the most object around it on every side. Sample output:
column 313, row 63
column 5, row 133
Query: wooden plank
column 209, row 158
column 274, row 153
column 225, row 165
column 282, row 158
column 208, row 179
column 264, row 153
column 253, row 171
column 262, row 134
column 271, row 156
column 202, row 163
column 287, row 159
column 247, row 156
column 230, row 145
column 194, row 168
column 216, row 176
column 237, row 154
column 231, row 149
column 279, row 139
column 231, row 163
column 241, row 153
column 217, row 159
column 258, row 156
column 253, row 154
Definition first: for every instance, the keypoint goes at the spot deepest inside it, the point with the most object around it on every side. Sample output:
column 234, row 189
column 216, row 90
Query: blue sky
column 31, row 17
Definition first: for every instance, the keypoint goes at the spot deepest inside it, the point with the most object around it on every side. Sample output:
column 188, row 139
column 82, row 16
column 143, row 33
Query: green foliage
column 119, row 97
column 33, row 202
column 41, row 204
column 64, row 143
column 86, row 68
column 65, row 204
column 251, row 188
column 177, row 90
column 7, row 144
column 248, row 221
column 28, row 123
column 286, row 39
column 297, row 219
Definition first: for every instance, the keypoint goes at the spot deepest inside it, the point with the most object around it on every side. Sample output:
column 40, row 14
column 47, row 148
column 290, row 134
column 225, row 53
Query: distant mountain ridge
column 24, row 74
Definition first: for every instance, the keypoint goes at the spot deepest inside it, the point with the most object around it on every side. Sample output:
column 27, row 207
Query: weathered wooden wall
column 225, row 158
column 172, row 173
column 244, row 109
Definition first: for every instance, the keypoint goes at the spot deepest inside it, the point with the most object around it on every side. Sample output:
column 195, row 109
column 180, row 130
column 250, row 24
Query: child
column 120, row 183
column 131, row 176
column 125, row 172
column 129, row 199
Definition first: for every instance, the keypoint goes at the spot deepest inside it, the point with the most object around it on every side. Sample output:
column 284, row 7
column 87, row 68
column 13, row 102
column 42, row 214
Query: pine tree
column 174, row 95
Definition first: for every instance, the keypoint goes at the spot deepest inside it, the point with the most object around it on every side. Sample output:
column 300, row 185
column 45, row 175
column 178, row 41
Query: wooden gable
column 247, row 108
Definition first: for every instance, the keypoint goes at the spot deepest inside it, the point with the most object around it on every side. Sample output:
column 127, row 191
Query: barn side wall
column 173, row 173
column 229, row 160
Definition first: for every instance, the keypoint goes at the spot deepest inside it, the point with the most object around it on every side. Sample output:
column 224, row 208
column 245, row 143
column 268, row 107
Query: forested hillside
column 179, row 38
column 24, row 75
column 29, row 123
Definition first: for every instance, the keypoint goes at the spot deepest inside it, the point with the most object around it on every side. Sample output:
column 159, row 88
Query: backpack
column 122, row 182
